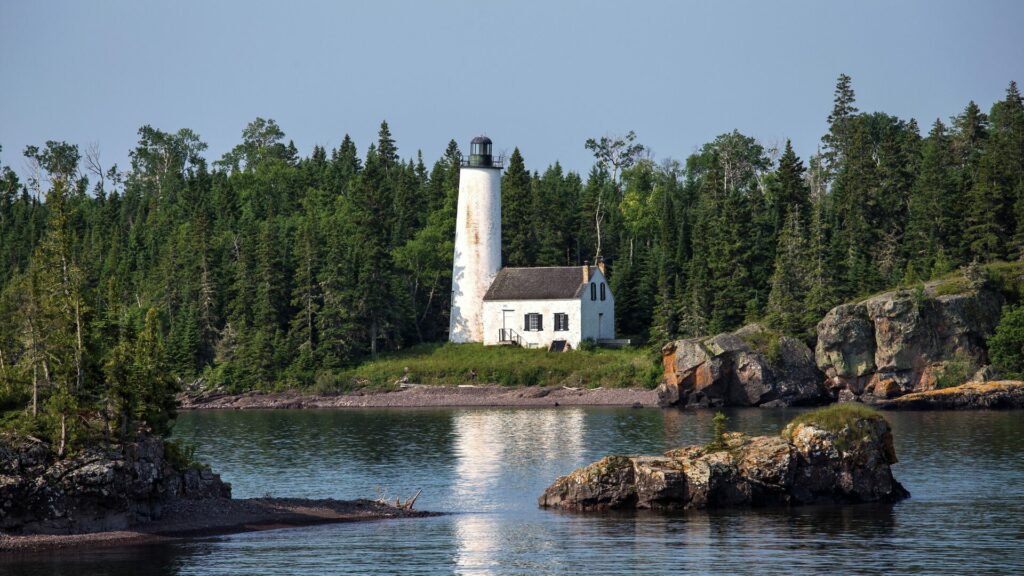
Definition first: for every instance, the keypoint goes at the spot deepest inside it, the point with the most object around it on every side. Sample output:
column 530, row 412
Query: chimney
column 586, row 271
column 600, row 265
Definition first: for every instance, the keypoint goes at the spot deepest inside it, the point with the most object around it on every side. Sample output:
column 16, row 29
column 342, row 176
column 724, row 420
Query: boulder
column 898, row 342
column 94, row 489
column 810, row 463
column 749, row 367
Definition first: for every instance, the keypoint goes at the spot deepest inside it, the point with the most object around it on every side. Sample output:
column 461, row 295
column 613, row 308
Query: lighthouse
column 477, row 240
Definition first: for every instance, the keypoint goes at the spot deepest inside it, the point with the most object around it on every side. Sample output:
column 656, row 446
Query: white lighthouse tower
column 477, row 241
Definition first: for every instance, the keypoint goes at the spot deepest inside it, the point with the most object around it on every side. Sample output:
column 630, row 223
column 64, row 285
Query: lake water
column 965, row 472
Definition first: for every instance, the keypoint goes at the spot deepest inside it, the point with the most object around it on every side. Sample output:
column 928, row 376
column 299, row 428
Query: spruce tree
column 837, row 139
column 935, row 216
column 517, row 214
column 791, row 192
column 789, row 281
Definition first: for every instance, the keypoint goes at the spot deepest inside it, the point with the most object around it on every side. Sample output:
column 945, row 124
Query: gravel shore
column 195, row 518
column 417, row 396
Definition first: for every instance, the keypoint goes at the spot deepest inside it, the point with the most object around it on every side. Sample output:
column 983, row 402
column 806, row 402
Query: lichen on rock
column 898, row 342
column 749, row 367
column 838, row 455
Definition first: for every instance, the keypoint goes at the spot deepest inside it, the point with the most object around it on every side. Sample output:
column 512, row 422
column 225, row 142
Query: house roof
column 549, row 283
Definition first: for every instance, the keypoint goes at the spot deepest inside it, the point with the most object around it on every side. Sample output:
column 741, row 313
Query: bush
column 1006, row 346
column 956, row 371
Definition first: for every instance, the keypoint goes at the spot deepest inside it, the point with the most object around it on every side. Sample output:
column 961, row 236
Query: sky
column 539, row 75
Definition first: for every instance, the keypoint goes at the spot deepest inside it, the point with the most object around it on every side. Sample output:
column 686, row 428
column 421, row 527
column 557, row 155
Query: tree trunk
column 63, row 435
column 35, row 389
column 79, row 373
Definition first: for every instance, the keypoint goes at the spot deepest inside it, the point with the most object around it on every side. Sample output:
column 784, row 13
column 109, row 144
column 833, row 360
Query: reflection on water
column 487, row 467
column 491, row 447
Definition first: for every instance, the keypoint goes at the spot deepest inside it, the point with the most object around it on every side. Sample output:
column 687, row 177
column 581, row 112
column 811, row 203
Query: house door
column 507, row 323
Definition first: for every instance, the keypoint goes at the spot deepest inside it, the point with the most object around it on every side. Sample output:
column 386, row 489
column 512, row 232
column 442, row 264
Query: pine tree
column 839, row 129
column 791, row 191
column 387, row 153
column 935, row 221
column 985, row 236
column 789, row 288
column 153, row 377
column 1007, row 151
column 821, row 294
column 517, row 222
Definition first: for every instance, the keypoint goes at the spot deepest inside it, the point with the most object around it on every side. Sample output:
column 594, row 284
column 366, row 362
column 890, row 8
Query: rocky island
column 143, row 491
column 837, row 455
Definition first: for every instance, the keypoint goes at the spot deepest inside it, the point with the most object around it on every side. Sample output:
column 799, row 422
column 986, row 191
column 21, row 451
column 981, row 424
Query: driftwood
column 407, row 505
column 411, row 501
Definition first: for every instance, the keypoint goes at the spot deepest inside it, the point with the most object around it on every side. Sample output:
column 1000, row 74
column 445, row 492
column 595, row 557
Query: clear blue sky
column 543, row 76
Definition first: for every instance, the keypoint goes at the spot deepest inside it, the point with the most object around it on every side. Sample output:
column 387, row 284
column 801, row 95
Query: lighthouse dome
column 480, row 155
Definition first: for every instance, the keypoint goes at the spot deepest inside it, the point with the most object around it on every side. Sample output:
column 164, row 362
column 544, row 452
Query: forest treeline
column 265, row 268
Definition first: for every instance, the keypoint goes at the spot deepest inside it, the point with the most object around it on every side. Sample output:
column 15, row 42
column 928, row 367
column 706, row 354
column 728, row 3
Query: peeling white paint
column 477, row 250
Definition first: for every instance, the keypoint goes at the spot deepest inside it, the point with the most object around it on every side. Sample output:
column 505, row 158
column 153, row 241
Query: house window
column 561, row 322
column 593, row 291
column 533, row 322
column 602, row 291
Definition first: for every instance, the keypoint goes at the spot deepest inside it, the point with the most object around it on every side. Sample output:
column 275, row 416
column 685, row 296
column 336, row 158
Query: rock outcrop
column 898, row 342
column 996, row 395
column 808, row 464
column 94, row 490
column 749, row 367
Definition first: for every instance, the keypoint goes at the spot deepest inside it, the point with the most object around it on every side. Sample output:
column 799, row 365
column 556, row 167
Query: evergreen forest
column 267, row 269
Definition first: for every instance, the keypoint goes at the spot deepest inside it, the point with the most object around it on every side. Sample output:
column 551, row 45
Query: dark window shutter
column 526, row 323
column 540, row 321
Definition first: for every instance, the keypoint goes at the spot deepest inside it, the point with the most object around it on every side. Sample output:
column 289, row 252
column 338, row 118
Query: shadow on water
column 139, row 560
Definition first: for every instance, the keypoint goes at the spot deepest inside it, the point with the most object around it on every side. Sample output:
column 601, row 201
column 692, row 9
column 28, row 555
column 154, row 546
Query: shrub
column 956, row 371
column 975, row 276
column 1006, row 346
column 718, row 441
column 766, row 342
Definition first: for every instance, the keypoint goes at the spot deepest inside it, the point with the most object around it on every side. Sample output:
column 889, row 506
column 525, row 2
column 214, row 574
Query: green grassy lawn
column 505, row 365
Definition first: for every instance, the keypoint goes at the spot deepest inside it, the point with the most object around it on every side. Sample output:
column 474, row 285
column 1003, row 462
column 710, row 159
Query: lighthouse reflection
column 495, row 450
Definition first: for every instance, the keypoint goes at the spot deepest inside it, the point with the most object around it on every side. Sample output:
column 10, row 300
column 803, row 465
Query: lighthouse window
column 533, row 322
column 593, row 291
column 561, row 322
column 602, row 291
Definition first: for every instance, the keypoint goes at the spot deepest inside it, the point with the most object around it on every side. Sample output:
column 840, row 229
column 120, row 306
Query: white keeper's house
column 546, row 307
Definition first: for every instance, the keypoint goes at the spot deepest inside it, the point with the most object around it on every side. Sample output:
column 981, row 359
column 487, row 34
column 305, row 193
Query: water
column 487, row 466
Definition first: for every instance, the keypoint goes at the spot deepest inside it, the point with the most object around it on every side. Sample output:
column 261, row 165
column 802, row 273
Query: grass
column 834, row 418
column 504, row 365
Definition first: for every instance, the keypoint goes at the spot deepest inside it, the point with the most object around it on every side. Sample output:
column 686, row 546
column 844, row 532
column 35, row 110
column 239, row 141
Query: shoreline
column 427, row 396
column 202, row 518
